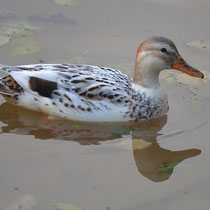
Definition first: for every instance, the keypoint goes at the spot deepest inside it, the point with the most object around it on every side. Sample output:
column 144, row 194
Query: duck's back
column 76, row 92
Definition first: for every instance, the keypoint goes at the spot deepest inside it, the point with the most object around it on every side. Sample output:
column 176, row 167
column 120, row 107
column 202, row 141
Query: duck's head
column 156, row 54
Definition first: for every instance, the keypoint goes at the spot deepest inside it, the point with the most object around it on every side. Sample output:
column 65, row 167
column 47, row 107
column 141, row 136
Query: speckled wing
column 96, row 83
column 78, row 92
column 86, row 81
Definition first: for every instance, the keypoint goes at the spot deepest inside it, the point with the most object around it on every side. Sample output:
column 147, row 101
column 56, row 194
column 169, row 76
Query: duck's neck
column 146, row 75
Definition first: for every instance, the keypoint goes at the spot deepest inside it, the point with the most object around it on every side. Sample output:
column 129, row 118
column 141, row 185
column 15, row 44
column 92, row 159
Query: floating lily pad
column 9, row 28
column 66, row 2
column 24, row 202
column 66, row 207
column 4, row 39
column 54, row 18
column 16, row 31
column 192, row 101
column 22, row 33
column 201, row 45
column 17, row 25
column 167, row 167
column 22, row 43
column 24, row 46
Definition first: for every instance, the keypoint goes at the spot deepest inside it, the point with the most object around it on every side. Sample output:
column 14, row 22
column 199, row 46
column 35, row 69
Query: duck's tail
column 9, row 88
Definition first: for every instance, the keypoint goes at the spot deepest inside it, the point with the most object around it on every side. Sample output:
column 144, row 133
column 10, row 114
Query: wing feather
column 85, row 81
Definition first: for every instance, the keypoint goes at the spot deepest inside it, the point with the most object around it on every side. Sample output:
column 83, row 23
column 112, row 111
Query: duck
column 97, row 93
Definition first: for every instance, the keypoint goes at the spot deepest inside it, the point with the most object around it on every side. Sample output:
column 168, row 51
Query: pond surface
column 160, row 164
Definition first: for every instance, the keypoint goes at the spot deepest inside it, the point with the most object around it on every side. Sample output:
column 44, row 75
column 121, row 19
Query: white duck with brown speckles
column 94, row 93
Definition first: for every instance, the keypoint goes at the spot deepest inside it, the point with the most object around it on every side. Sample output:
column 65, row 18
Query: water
column 160, row 164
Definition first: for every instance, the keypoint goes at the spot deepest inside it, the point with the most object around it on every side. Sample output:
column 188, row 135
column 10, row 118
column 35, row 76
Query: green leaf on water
column 23, row 46
column 66, row 2
column 76, row 126
column 21, row 41
column 192, row 101
column 18, row 25
column 167, row 167
column 18, row 34
column 23, row 202
column 66, row 207
column 11, row 27
column 4, row 39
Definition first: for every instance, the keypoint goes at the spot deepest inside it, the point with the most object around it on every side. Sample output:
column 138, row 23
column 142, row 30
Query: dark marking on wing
column 42, row 87
column 55, row 93
column 60, row 66
column 89, row 78
column 66, row 105
column 67, row 97
column 79, row 81
column 93, row 88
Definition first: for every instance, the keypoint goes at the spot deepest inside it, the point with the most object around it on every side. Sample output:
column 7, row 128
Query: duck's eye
column 163, row 50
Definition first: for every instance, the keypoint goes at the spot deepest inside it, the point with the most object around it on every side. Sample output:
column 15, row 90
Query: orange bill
column 183, row 66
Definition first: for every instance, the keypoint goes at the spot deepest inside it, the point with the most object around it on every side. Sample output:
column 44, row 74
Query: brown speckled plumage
column 93, row 85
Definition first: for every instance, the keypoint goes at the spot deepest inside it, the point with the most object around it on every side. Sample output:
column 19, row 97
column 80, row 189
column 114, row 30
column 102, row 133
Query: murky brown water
column 161, row 164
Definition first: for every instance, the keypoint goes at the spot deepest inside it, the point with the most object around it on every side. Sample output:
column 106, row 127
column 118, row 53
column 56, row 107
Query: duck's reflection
column 157, row 163
column 152, row 161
